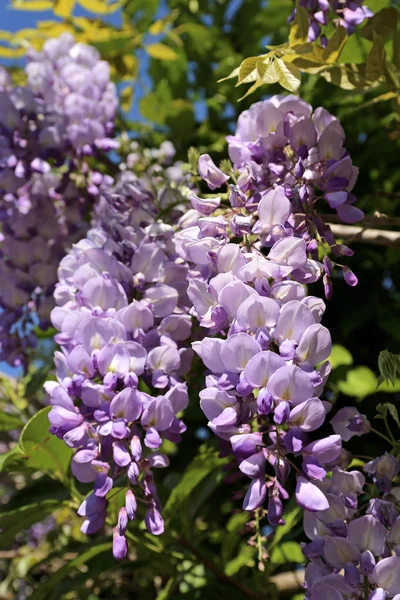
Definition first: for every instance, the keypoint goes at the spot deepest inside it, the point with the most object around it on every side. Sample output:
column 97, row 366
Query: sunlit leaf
column 348, row 76
column 289, row 75
column 44, row 451
column 44, row 591
column 340, row 356
column 299, row 29
column 267, row 72
column 101, row 7
column 32, row 4
column 64, row 8
column 161, row 52
column 334, row 46
column 248, row 70
column 286, row 553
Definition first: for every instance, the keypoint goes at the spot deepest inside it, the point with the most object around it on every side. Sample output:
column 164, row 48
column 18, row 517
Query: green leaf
column 387, row 407
column 43, row 451
column 152, row 108
column 335, row 45
column 360, row 382
column 289, row 75
column 292, row 517
column 389, row 366
column 161, row 52
column 287, row 552
column 299, row 30
column 44, row 590
column 340, row 356
column 245, row 558
column 13, row 461
column 36, row 381
column 347, row 76
column 193, row 488
column 8, row 422
column 14, row 521
column 376, row 60
column 248, row 70
column 383, row 23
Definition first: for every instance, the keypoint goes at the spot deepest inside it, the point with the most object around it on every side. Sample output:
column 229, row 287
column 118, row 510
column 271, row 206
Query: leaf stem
column 383, row 436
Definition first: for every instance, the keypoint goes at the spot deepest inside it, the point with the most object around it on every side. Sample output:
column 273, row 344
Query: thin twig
column 379, row 237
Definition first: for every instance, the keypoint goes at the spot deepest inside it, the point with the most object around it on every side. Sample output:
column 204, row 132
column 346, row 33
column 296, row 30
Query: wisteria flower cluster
column 347, row 13
column 250, row 258
column 123, row 325
column 354, row 550
column 46, row 187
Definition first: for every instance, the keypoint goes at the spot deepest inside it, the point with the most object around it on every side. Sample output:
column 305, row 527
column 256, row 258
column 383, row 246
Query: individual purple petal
column 338, row 551
column 154, row 521
column 261, row 367
column 274, row 208
column 290, row 383
column 255, row 495
column 254, row 465
column 120, row 546
column 315, row 344
column 309, row 496
column 208, row 171
column 367, row 533
column 308, row 415
column 256, row 312
column 237, row 350
column 387, row 575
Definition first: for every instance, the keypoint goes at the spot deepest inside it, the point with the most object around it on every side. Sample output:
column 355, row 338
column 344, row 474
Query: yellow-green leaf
column 126, row 98
column 383, row 23
column 248, row 70
column 334, row 46
column 32, row 5
column 235, row 73
column 299, row 29
column 252, row 89
column 101, row 7
column 289, row 75
column 376, row 60
column 340, row 356
column 64, row 8
column 6, row 52
column 348, row 76
column 286, row 553
column 161, row 52
column 267, row 72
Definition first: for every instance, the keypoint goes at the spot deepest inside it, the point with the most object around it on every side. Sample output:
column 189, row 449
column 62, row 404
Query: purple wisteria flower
column 354, row 550
column 347, row 13
column 251, row 250
column 46, row 186
column 123, row 323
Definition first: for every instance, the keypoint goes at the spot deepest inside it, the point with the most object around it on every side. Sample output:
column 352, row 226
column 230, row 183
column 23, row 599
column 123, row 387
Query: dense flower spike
column 46, row 187
column 251, row 251
column 347, row 13
column 75, row 85
column 354, row 550
column 123, row 325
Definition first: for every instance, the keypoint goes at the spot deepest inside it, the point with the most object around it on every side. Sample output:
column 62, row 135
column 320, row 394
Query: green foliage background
column 167, row 61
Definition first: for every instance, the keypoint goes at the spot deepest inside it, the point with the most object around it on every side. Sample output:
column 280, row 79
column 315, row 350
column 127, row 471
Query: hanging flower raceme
column 46, row 186
column 75, row 85
column 250, row 257
column 354, row 550
column 347, row 13
column 123, row 325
